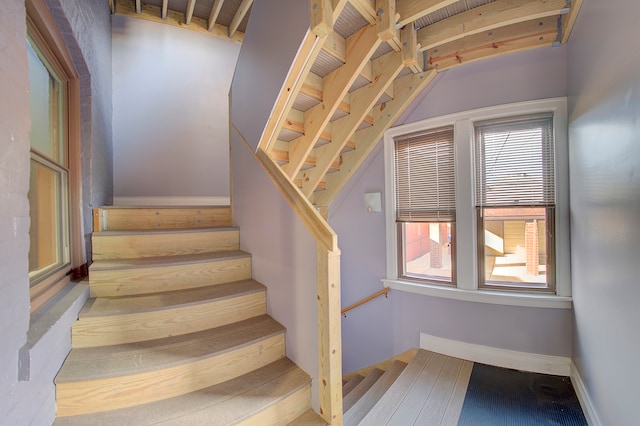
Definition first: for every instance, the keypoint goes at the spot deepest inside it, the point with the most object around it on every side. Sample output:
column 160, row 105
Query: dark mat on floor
column 500, row 396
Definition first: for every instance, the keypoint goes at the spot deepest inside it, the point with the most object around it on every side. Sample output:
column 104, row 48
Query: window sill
column 482, row 296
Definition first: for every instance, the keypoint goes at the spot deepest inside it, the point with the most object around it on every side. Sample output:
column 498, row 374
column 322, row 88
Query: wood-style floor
column 429, row 390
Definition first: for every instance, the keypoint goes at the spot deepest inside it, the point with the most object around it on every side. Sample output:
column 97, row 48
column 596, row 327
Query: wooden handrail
column 384, row 291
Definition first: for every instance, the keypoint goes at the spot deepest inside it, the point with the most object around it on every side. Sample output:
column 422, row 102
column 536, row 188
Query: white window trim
column 466, row 241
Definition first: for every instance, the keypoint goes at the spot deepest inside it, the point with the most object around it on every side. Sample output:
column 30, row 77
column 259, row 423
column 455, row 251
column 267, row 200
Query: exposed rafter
column 176, row 18
column 188, row 14
column 213, row 15
column 239, row 16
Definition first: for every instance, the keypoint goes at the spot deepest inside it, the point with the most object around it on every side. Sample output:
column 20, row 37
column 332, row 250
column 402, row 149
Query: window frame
column 42, row 29
column 467, row 287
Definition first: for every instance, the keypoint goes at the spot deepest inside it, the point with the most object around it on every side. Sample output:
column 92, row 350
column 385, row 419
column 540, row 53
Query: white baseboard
column 583, row 397
column 171, row 201
column 538, row 363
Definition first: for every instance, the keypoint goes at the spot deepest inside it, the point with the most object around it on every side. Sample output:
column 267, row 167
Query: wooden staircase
column 429, row 390
column 176, row 331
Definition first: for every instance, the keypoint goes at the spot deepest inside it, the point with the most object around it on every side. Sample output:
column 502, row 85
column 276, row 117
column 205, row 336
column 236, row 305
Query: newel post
column 329, row 335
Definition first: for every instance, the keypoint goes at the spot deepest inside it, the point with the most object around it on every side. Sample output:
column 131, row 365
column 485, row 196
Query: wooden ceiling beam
column 406, row 89
column 165, row 8
column 188, row 14
column 411, row 10
column 485, row 18
column 386, row 68
column 512, row 38
column 239, row 16
column 335, row 85
column 213, row 15
column 154, row 13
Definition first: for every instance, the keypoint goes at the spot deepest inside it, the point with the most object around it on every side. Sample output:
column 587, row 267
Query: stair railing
column 384, row 292
column 327, row 252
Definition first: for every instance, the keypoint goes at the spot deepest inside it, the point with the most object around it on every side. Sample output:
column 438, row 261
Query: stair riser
column 138, row 327
column 75, row 398
column 125, row 282
column 155, row 245
column 284, row 412
column 124, row 219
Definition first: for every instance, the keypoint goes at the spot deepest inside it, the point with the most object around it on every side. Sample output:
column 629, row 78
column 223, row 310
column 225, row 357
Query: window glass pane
column 45, row 104
column 427, row 250
column 515, row 246
column 46, row 206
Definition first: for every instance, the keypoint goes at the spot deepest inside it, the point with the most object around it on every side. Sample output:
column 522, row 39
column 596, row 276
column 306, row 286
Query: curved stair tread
column 351, row 384
column 361, row 388
column 389, row 402
column 86, row 364
column 222, row 404
column 360, row 408
column 120, row 305
column 159, row 261
column 166, row 231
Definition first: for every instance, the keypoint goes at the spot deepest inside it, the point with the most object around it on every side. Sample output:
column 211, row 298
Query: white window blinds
column 514, row 162
column 425, row 179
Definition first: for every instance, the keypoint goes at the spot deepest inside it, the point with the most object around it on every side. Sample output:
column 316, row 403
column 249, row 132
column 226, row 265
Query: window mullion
column 466, row 266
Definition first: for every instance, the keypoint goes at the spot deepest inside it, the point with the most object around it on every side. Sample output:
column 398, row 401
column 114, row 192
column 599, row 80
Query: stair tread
column 309, row 418
column 118, row 305
column 94, row 363
column 366, row 402
column 389, row 402
column 221, row 404
column 165, row 231
column 155, row 261
column 361, row 388
column 351, row 384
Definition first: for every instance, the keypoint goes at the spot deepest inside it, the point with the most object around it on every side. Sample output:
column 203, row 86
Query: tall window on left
column 49, row 179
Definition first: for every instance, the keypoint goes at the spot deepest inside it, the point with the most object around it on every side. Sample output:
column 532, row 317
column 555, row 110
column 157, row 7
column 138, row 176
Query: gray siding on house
column 604, row 144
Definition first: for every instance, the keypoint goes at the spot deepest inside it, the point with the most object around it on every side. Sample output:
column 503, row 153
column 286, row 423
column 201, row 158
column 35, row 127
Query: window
column 515, row 202
column 56, row 251
column 48, row 185
column 477, row 205
column 425, row 204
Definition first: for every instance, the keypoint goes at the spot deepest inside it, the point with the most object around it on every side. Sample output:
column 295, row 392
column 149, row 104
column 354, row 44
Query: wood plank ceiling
column 372, row 60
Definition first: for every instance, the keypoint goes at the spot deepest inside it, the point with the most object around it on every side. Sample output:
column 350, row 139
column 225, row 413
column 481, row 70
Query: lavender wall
column 387, row 327
column 283, row 251
column 85, row 27
column 604, row 142
column 171, row 113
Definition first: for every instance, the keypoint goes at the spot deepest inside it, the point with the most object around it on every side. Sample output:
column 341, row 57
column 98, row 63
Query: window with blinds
column 514, row 162
column 425, row 200
column 425, row 176
column 515, row 199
